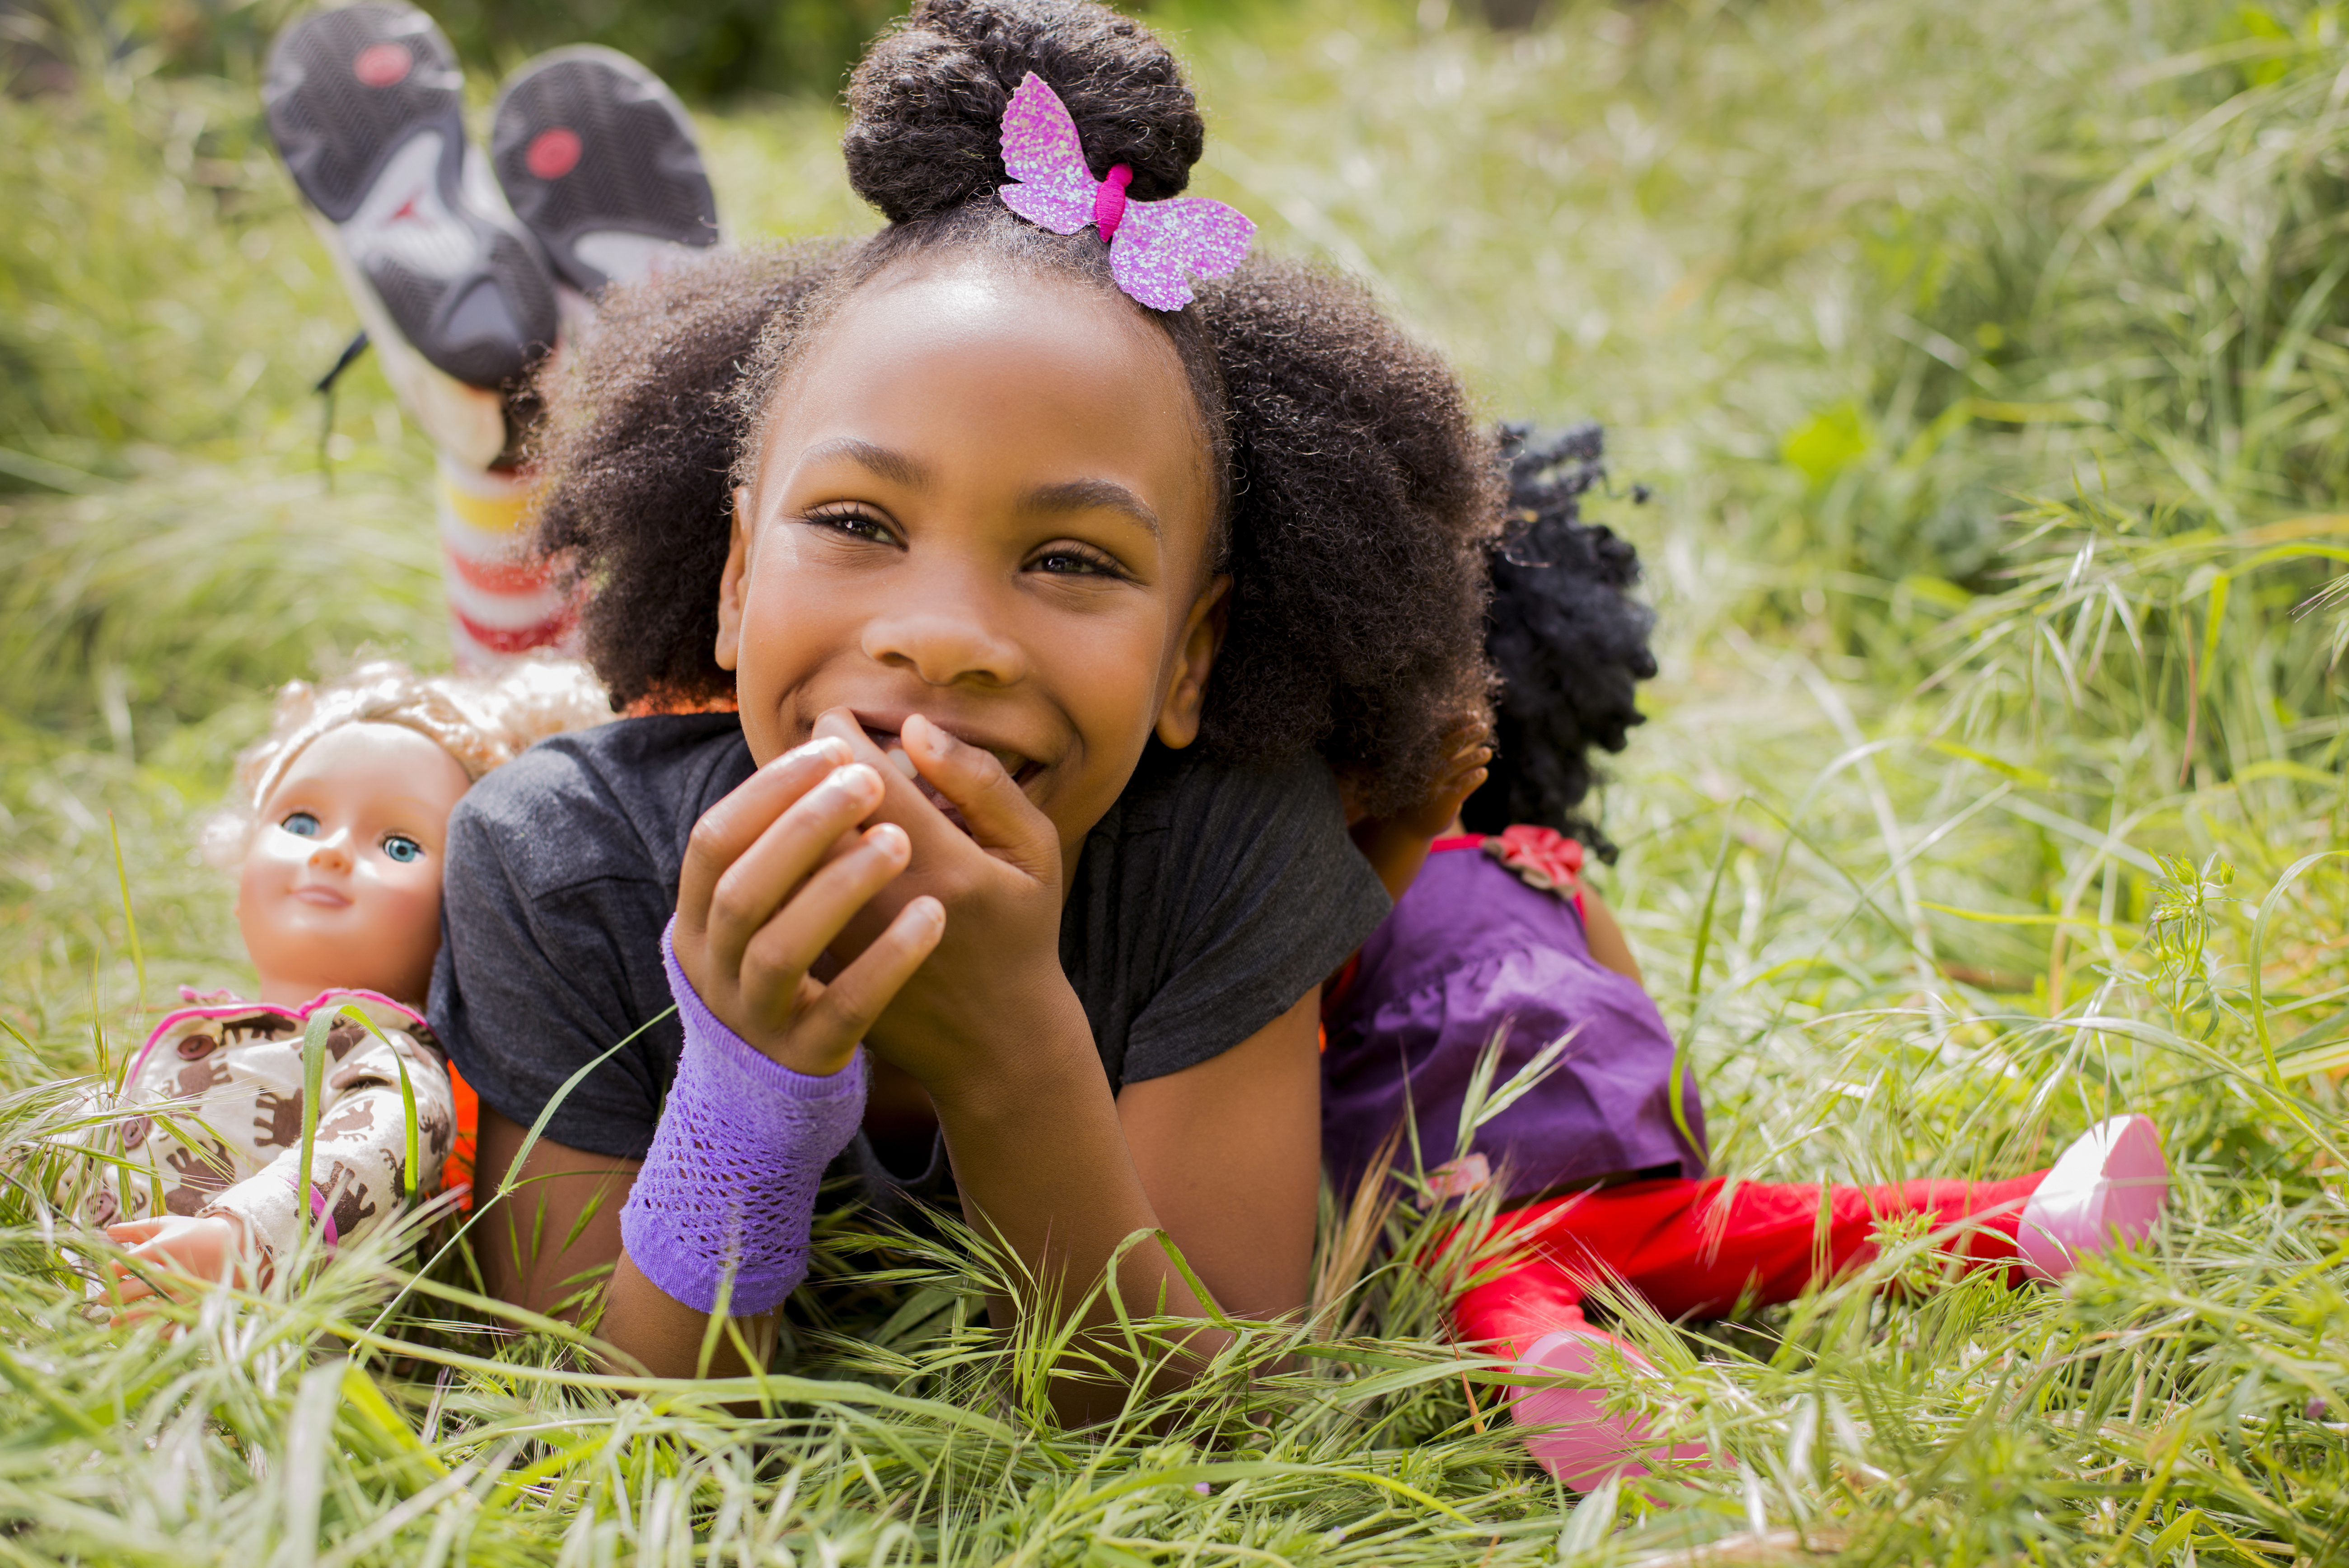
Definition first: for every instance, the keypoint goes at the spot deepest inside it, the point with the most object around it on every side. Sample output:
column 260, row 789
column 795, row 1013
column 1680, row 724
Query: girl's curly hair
column 1569, row 642
column 1358, row 491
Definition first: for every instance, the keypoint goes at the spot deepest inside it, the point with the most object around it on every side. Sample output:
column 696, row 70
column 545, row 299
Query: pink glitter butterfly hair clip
column 1152, row 244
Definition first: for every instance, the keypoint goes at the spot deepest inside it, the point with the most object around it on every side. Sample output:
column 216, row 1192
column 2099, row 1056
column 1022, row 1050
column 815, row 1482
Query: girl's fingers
column 130, row 1232
column 764, row 878
column 841, row 1017
column 1000, row 815
column 779, row 954
column 736, row 823
column 1468, row 785
column 903, row 803
column 1469, row 760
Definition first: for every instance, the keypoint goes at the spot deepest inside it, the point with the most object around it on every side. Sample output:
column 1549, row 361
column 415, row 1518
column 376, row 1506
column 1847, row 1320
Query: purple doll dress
column 1470, row 950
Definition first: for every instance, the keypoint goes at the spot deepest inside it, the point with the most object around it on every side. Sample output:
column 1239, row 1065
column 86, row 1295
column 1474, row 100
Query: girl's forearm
column 669, row 1339
column 1041, row 1163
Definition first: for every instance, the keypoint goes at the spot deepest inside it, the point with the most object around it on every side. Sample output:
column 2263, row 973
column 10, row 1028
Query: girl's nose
column 332, row 854
column 947, row 638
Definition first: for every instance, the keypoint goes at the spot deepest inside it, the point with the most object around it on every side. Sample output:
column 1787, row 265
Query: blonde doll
column 336, row 830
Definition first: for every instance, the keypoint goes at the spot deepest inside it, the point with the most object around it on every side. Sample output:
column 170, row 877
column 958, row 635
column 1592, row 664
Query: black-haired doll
column 1495, row 937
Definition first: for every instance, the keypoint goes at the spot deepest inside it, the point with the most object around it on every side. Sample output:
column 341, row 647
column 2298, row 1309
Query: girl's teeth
column 902, row 763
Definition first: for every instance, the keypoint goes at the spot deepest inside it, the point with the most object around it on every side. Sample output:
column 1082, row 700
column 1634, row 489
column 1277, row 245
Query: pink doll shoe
column 2106, row 1190
column 1586, row 1445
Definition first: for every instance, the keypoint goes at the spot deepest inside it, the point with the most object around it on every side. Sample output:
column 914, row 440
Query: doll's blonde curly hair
column 482, row 721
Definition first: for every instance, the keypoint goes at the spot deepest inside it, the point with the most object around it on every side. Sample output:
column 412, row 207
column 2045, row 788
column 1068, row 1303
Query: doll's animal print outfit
column 208, row 1121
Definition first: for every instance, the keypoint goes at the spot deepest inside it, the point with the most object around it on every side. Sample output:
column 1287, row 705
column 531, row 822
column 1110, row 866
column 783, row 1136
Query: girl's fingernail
column 902, row 763
column 890, row 839
column 828, row 749
column 856, row 779
column 929, row 909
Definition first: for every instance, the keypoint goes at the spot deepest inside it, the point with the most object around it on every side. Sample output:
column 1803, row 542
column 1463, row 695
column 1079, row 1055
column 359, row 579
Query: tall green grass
column 1984, row 365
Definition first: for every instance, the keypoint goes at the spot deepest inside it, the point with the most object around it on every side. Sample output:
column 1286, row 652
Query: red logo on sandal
column 553, row 154
column 383, row 65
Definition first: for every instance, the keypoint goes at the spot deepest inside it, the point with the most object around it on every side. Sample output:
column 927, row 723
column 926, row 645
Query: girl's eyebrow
column 1091, row 494
column 894, row 466
column 1068, row 496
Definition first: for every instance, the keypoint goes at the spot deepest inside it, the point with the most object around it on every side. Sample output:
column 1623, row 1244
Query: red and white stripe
column 502, row 603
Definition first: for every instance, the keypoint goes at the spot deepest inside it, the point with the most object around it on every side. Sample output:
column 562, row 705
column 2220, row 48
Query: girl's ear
column 729, row 583
column 1203, row 635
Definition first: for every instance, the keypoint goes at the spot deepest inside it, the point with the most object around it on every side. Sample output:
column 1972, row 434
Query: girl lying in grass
column 1051, row 598
column 338, row 830
column 1602, row 1175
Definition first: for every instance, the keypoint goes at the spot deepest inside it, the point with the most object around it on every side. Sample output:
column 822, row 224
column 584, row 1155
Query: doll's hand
column 1396, row 846
column 995, row 980
column 174, row 1252
column 772, row 873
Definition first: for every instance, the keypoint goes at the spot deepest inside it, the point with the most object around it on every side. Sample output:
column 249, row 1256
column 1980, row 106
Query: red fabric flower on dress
column 1542, row 858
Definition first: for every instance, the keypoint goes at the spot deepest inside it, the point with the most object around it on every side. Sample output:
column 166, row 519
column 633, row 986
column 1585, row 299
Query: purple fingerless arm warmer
column 729, row 1185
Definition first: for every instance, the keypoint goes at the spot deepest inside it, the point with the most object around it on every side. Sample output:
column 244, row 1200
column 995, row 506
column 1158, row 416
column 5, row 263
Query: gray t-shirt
column 1205, row 903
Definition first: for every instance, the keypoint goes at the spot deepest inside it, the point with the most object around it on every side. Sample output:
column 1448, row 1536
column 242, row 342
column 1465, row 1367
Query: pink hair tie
column 1153, row 247
column 1109, row 201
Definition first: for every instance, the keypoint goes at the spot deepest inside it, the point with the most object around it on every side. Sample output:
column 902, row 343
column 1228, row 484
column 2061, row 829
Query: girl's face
column 983, row 498
column 341, row 887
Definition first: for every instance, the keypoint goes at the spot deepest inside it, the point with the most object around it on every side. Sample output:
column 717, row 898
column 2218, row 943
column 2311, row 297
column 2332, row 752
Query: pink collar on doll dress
column 221, row 1005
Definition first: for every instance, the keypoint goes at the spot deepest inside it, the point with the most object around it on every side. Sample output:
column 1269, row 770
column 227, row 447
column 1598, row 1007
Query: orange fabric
column 644, row 707
column 459, row 1167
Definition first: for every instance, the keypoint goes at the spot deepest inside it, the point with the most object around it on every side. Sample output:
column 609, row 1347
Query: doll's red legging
column 1691, row 1250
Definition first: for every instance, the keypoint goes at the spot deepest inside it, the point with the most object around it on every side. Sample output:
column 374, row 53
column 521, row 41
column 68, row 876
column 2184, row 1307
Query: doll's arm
column 1396, row 847
column 359, row 1163
column 1607, row 944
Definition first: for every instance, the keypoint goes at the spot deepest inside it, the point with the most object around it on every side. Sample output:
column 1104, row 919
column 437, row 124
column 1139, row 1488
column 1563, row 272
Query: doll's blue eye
column 302, row 825
column 403, row 849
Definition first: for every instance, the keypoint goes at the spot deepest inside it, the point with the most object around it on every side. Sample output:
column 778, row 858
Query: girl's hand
column 773, row 874
column 995, row 978
column 204, row 1252
column 1396, row 847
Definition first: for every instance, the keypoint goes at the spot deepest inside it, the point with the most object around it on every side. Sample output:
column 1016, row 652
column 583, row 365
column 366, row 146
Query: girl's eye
column 1068, row 560
column 301, row 824
column 855, row 525
column 402, row 848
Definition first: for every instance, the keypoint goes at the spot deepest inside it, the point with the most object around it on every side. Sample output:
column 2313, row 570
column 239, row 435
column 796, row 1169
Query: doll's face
column 984, row 498
column 341, row 888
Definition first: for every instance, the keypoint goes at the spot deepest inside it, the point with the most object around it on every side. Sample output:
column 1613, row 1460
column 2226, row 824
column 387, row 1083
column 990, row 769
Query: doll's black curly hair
column 1569, row 642
column 1358, row 493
